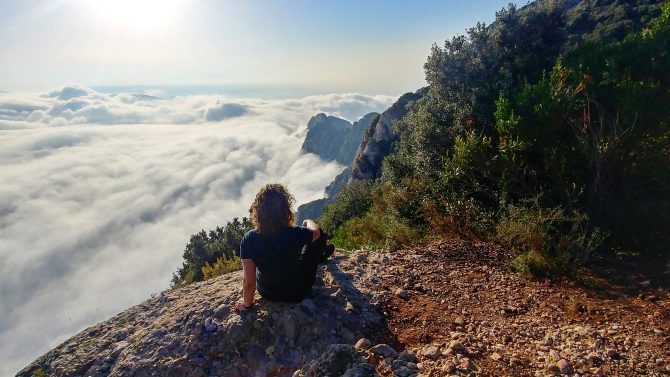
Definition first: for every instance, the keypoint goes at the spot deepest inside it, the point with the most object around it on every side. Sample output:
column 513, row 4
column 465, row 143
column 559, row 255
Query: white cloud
column 225, row 110
column 101, row 192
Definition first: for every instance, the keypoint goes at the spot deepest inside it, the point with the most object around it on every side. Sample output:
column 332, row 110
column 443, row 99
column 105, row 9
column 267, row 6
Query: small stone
column 495, row 356
column 612, row 353
column 120, row 334
column 564, row 366
column 118, row 348
column 594, row 359
column 401, row 293
column 412, row 366
column 403, row 372
column 384, row 350
column 459, row 321
column 407, row 356
column 221, row 310
column 549, row 342
column 363, row 344
column 553, row 368
column 270, row 350
column 510, row 311
column 431, row 351
column 456, row 346
column 598, row 344
column 448, row 367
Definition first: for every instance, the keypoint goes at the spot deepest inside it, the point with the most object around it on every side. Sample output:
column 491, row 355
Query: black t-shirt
column 276, row 258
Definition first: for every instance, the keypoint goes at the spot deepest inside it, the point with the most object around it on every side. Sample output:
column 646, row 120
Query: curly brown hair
column 271, row 210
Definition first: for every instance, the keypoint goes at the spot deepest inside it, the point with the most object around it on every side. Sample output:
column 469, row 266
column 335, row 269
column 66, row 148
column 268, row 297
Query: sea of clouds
column 100, row 193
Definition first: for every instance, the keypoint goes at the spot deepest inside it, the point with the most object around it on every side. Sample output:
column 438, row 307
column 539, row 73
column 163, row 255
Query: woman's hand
column 239, row 306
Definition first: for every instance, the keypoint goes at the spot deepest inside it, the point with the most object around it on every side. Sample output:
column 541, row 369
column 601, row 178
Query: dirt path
column 461, row 309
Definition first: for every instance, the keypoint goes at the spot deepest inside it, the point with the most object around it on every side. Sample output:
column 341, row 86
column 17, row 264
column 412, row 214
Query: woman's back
column 277, row 260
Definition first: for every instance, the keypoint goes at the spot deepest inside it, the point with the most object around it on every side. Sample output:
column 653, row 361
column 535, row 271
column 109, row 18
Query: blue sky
column 316, row 46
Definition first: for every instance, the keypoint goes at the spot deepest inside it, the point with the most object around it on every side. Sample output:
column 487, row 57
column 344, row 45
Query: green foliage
column 221, row 266
column 548, row 241
column 205, row 248
column 377, row 229
column 536, row 131
column 39, row 373
column 353, row 201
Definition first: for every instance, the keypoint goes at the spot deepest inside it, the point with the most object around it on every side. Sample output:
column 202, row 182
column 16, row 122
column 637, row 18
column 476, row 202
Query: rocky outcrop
column 192, row 331
column 379, row 139
column 319, row 133
column 441, row 309
column 353, row 141
column 325, row 136
column 333, row 138
column 375, row 136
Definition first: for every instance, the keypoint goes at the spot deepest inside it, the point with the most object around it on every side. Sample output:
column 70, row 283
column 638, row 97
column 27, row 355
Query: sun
column 136, row 14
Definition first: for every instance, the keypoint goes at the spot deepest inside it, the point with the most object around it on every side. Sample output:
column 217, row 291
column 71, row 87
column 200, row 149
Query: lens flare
column 136, row 14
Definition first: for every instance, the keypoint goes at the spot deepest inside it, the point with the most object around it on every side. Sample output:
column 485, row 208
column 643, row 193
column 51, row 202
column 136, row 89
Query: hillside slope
column 456, row 308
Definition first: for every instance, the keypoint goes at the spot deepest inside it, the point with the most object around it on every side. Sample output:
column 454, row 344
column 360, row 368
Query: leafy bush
column 547, row 240
column 221, row 266
column 353, row 201
column 536, row 131
column 375, row 232
column 205, row 248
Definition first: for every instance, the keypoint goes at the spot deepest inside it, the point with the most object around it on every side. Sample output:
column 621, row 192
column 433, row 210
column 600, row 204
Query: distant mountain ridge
column 333, row 138
column 371, row 140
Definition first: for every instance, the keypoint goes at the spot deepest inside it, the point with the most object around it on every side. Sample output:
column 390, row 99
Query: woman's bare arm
column 311, row 225
column 248, row 286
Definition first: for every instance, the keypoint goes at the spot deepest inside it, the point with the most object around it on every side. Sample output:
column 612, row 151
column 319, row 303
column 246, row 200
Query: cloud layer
column 101, row 192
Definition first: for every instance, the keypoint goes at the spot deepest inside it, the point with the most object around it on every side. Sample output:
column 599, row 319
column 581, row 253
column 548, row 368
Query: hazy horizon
column 323, row 47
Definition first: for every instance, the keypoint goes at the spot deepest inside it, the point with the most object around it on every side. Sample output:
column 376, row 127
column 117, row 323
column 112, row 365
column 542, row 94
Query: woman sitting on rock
column 279, row 259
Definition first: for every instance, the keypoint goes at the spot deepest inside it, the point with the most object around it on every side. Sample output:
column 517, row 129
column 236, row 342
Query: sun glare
column 137, row 14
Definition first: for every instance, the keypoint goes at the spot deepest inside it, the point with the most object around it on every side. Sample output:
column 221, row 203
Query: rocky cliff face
column 322, row 130
column 333, row 138
column 378, row 140
column 325, row 136
column 353, row 141
column 373, row 136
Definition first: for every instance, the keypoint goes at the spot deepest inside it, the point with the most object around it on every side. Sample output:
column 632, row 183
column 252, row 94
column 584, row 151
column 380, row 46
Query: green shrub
column 206, row 248
column 548, row 242
column 221, row 266
column 353, row 201
column 375, row 232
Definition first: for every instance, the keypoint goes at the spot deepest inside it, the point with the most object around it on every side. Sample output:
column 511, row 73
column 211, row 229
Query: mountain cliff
column 325, row 136
column 378, row 140
column 325, row 130
column 333, row 138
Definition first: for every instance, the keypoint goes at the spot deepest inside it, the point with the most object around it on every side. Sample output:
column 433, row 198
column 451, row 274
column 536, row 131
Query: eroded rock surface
column 438, row 310
column 192, row 331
